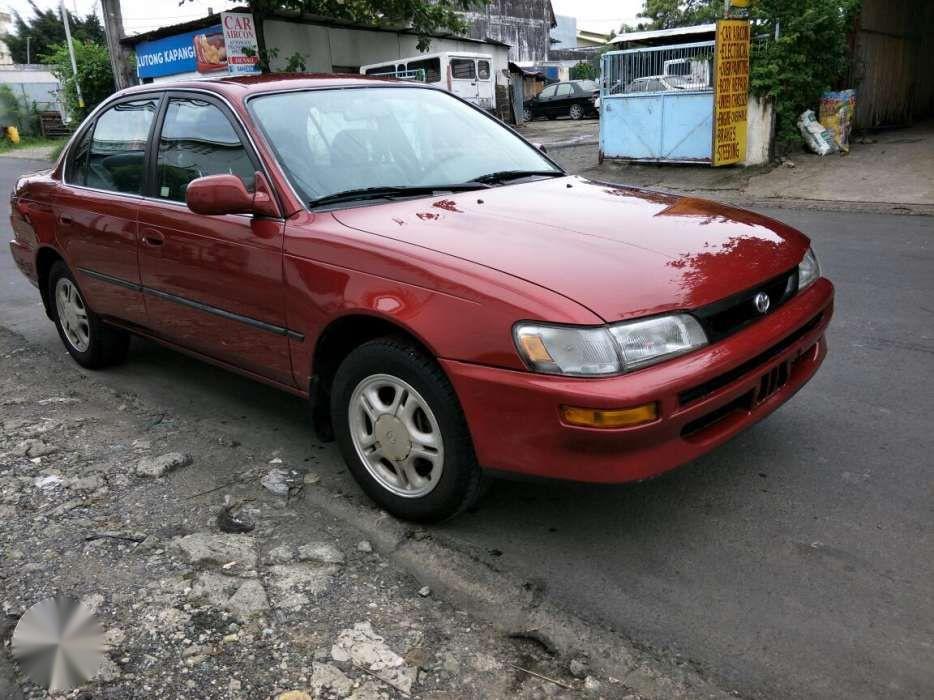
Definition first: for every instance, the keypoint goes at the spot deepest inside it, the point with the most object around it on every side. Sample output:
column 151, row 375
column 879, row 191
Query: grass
column 32, row 142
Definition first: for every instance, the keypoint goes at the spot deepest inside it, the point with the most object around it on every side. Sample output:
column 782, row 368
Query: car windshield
column 333, row 141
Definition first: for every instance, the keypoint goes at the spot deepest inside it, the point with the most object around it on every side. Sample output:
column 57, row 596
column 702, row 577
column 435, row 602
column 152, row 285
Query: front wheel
column 91, row 342
column 576, row 112
column 527, row 114
column 402, row 433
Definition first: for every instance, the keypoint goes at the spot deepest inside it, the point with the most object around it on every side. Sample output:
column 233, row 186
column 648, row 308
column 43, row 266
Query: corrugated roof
column 662, row 33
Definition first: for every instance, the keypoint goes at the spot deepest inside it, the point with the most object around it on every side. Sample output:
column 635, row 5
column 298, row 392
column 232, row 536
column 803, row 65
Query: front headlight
column 582, row 351
column 571, row 350
column 808, row 270
column 652, row 340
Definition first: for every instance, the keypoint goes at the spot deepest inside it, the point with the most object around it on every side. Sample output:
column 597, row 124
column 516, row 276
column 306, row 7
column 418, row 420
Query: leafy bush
column 94, row 75
column 809, row 57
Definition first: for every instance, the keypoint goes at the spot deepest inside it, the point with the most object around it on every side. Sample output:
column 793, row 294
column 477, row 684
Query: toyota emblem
column 762, row 302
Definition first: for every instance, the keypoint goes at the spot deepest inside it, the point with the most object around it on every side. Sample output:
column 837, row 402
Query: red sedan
column 443, row 294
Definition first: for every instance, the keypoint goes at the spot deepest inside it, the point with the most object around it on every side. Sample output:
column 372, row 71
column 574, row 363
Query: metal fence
column 659, row 69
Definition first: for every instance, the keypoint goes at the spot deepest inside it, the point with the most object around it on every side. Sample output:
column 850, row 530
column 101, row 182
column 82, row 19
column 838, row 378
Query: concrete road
column 796, row 561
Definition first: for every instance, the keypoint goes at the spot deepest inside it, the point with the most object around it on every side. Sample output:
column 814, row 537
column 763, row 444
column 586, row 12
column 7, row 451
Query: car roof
column 242, row 86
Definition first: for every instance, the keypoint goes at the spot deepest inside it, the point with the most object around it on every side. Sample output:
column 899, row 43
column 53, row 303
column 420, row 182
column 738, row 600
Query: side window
column 483, row 70
column 463, row 69
column 379, row 70
column 431, row 66
column 197, row 139
column 110, row 157
column 548, row 91
column 564, row 89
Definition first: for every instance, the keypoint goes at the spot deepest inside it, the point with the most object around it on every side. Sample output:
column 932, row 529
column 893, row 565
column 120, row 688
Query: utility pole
column 124, row 75
column 71, row 52
column 28, row 52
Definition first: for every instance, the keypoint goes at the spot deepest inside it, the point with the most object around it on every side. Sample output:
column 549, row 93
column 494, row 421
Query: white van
column 467, row 75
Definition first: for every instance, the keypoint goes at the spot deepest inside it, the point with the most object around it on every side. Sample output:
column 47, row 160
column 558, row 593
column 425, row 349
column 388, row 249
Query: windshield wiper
column 362, row 194
column 503, row 175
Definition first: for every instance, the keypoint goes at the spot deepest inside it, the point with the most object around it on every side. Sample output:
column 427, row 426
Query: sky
column 143, row 15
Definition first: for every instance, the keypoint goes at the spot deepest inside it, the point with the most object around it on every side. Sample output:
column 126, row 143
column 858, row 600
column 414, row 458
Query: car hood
column 621, row 252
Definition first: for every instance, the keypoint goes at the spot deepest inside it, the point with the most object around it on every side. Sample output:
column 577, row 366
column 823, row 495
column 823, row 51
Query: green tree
column 94, row 75
column 584, row 70
column 666, row 14
column 809, row 56
column 422, row 16
column 45, row 31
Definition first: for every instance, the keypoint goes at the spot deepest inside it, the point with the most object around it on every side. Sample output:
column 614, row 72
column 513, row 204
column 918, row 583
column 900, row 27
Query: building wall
column 523, row 24
column 326, row 49
column 892, row 68
column 564, row 36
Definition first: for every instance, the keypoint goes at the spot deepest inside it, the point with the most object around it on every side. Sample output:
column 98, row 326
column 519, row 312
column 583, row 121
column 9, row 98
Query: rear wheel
column 527, row 114
column 91, row 342
column 576, row 112
column 402, row 433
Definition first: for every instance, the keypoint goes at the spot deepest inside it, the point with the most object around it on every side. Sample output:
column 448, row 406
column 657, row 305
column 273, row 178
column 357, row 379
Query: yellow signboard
column 731, row 91
column 739, row 3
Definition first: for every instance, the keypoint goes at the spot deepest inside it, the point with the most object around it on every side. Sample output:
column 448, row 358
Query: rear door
column 486, row 88
column 212, row 283
column 543, row 100
column 97, row 202
column 464, row 79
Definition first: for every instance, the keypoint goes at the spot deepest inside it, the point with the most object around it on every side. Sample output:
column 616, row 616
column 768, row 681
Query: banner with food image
column 210, row 50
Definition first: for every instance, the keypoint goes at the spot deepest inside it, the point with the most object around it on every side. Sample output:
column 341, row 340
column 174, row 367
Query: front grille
column 725, row 317
column 772, row 381
column 721, row 380
column 740, row 403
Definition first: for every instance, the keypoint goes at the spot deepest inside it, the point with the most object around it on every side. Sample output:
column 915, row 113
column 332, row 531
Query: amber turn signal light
column 611, row 418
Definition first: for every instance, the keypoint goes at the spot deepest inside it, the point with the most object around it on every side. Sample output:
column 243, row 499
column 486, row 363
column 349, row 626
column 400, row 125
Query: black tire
column 107, row 346
column 459, row 485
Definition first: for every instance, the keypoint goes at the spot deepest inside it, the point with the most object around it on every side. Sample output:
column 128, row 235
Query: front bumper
column 704, row 398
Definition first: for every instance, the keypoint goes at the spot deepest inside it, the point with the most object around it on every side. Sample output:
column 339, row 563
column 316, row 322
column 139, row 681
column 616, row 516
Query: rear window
column 463, row 69
column 587, row 85
column 431, row 66
column 111, row 156
column 483, row 70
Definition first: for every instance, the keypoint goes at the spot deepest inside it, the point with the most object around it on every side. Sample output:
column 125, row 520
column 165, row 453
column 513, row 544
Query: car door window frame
column 91, row 125
column 151, row 186
column 569, row 90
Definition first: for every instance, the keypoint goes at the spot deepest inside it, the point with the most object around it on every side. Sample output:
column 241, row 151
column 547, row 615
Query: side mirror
column 226, row 194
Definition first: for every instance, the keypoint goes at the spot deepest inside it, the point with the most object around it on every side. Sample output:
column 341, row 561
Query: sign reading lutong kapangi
column 731, row 91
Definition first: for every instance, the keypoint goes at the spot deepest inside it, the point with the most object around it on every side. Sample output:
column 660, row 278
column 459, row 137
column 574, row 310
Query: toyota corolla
column 447, row 298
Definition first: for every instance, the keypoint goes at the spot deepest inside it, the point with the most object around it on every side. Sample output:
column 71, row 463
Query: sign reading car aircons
column 228, row 47
column 731, row 91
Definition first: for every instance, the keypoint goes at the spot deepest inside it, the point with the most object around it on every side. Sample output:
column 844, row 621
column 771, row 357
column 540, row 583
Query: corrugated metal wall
column 893, row 62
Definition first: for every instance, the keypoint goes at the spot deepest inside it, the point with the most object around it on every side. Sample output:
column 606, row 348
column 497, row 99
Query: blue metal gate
column 656, row 104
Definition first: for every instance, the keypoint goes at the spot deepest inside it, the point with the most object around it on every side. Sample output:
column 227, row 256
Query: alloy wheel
column 72, row 314
column 396, row 435
column 577, row 112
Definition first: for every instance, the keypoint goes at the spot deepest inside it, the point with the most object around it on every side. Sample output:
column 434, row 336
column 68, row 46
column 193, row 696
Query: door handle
column 153, row 239
column 65, row 220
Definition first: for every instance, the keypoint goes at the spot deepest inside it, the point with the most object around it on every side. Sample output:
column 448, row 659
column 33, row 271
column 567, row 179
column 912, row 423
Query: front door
column 564, row 97
column 212, row 283
column 96, row 207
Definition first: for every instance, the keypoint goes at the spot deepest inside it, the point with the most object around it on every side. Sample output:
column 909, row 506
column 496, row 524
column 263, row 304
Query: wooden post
column 124, row 73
